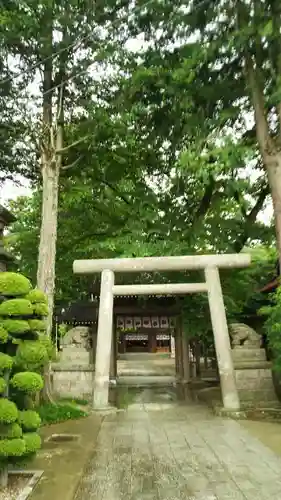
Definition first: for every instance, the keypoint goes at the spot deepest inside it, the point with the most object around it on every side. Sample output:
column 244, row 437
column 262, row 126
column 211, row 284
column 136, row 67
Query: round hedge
column 11, row 431
column 37, row 325
column 32, row 442
column 16, row 326
column 40, row 309
column 14, row 284
column 8, row 411
column 12, row 447
column 37, row 296
column 6, row 362
column 3, row 385
column 47, row 343
column 31, row 355
column 29, row 382
column 4, row 336
column 16, row 307
column 29, row 420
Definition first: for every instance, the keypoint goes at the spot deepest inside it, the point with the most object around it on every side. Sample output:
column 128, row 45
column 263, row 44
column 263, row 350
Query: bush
column 16, row 326
column 14, row 285
column 29, row 420
column 6, row 362
column 11, row 431
column 21, row 324
column 3, row 385
column 8, row 411
column 4, row 336
column 55, row 413
column 16, row 307
column 31, row 355
column 37, row 296
column 32, row 442
column 12, row 447
column 29, row 382
column 37, row 325
column 40, row 309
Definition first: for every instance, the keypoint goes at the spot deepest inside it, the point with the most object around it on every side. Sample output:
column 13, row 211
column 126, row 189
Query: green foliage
column 48, row 345
column 8, row 411
column 16, row 327
column 40, row 309
column 32, row 442
column 37, row 325
column 29, row 382
column 6, row 362
column 36, row 296
column 12, row 447
column 3, row 385
column 16, row 307
column 272, row 327
column 14, row 284
column 31, row 355
column 29, row 420
column 3, row 335
column 52, row 414
column 11, row 431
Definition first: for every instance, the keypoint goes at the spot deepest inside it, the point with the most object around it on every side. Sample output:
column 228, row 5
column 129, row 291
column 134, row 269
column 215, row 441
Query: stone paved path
column 173, row 452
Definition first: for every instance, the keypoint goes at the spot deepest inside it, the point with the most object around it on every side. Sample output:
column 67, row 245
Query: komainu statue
column 77, row 336
column 244, row 335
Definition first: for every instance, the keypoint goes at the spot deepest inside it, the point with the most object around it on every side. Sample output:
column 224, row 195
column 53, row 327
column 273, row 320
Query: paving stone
column 176, row 452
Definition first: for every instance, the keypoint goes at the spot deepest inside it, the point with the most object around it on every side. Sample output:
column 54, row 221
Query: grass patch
column 61, row 412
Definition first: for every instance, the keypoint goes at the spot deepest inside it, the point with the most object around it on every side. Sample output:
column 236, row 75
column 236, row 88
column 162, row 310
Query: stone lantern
column 6, row 218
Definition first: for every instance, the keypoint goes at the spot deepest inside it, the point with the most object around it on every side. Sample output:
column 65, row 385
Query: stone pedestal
column 253, row 377
column 72, row 355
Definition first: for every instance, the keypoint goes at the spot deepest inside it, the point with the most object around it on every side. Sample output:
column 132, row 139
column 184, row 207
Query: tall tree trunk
column 3, row 477
column 48, row 234
column 273, row 168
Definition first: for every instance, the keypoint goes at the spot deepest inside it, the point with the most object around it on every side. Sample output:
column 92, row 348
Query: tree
column 21, row 353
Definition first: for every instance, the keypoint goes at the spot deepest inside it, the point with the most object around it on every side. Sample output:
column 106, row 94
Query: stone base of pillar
column 253, row 374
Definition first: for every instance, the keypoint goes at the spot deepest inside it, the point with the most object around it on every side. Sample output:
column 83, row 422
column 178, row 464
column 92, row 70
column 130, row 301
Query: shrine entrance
column 210, row 264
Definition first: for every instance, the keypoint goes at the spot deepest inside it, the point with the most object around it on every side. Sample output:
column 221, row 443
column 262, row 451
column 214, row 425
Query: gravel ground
column 15, row 486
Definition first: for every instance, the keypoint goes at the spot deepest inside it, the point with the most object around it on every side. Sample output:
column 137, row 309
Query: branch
column 66, row 148
column 205, row 202
column 250, row 219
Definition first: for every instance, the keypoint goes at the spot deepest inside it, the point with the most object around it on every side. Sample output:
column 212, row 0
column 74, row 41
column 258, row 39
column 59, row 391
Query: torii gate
column 212, row 285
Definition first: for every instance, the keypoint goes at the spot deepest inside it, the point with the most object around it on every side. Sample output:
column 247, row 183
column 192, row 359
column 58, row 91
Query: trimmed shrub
column 12, row 447
column 16, row 307
column 6, row 362
column 21, row 329
column 40, row 309
column 31, row 355
column 37, row 325
column 4, row 336
column 29, row 420
column 37, row 296
column 29, row 382
column 8, row 411
column 32, row 442
column 11, row 431
column 16, row 326
column 3, row 385
column 14, row 285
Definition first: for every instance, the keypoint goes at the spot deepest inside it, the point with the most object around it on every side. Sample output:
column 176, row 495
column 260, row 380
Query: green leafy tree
column 23, row 353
